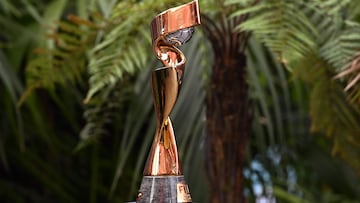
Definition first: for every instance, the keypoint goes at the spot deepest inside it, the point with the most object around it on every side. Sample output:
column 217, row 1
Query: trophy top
column 172, row 28
column 176, row 20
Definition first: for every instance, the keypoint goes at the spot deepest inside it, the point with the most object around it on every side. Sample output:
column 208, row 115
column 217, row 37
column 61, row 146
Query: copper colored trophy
column 163, row 181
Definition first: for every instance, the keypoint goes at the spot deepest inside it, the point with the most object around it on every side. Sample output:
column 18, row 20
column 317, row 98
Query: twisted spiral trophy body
column 163, row 180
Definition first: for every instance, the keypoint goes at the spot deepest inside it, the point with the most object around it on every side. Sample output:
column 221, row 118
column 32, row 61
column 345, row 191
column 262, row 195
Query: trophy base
column 163, row 189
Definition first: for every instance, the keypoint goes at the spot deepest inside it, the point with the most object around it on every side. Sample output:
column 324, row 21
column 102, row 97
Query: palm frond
column 342, row 48
column 330, row 110
column 329, row 7
column 111, row 64
column 281, row 26
column 292, row 30
column 64, row 64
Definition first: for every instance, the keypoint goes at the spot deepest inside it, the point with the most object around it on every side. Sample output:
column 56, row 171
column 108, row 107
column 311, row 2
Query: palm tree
column 112, row 51
column 228, row 110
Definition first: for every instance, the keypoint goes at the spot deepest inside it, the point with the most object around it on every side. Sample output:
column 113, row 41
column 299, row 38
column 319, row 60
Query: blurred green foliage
column 56, row 54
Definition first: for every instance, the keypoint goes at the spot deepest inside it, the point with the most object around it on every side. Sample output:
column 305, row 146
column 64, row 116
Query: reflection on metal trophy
column 163, row 180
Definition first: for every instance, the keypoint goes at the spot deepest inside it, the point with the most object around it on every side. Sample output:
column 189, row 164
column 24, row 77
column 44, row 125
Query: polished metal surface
column 169, row 29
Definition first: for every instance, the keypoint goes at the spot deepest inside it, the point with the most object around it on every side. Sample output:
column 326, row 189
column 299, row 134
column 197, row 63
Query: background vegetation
column 77, row 116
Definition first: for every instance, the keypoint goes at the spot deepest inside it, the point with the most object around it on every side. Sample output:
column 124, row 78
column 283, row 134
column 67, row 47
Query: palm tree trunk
column 228, row 115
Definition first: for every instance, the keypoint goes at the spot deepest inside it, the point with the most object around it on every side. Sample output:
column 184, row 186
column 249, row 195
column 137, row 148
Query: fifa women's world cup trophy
column 163, row 180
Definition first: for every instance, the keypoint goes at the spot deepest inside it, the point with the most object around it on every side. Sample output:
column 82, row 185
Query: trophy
column 162, row 178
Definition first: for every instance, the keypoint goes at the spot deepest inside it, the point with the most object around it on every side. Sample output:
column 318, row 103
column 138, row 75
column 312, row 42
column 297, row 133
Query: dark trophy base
column 163, row 189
